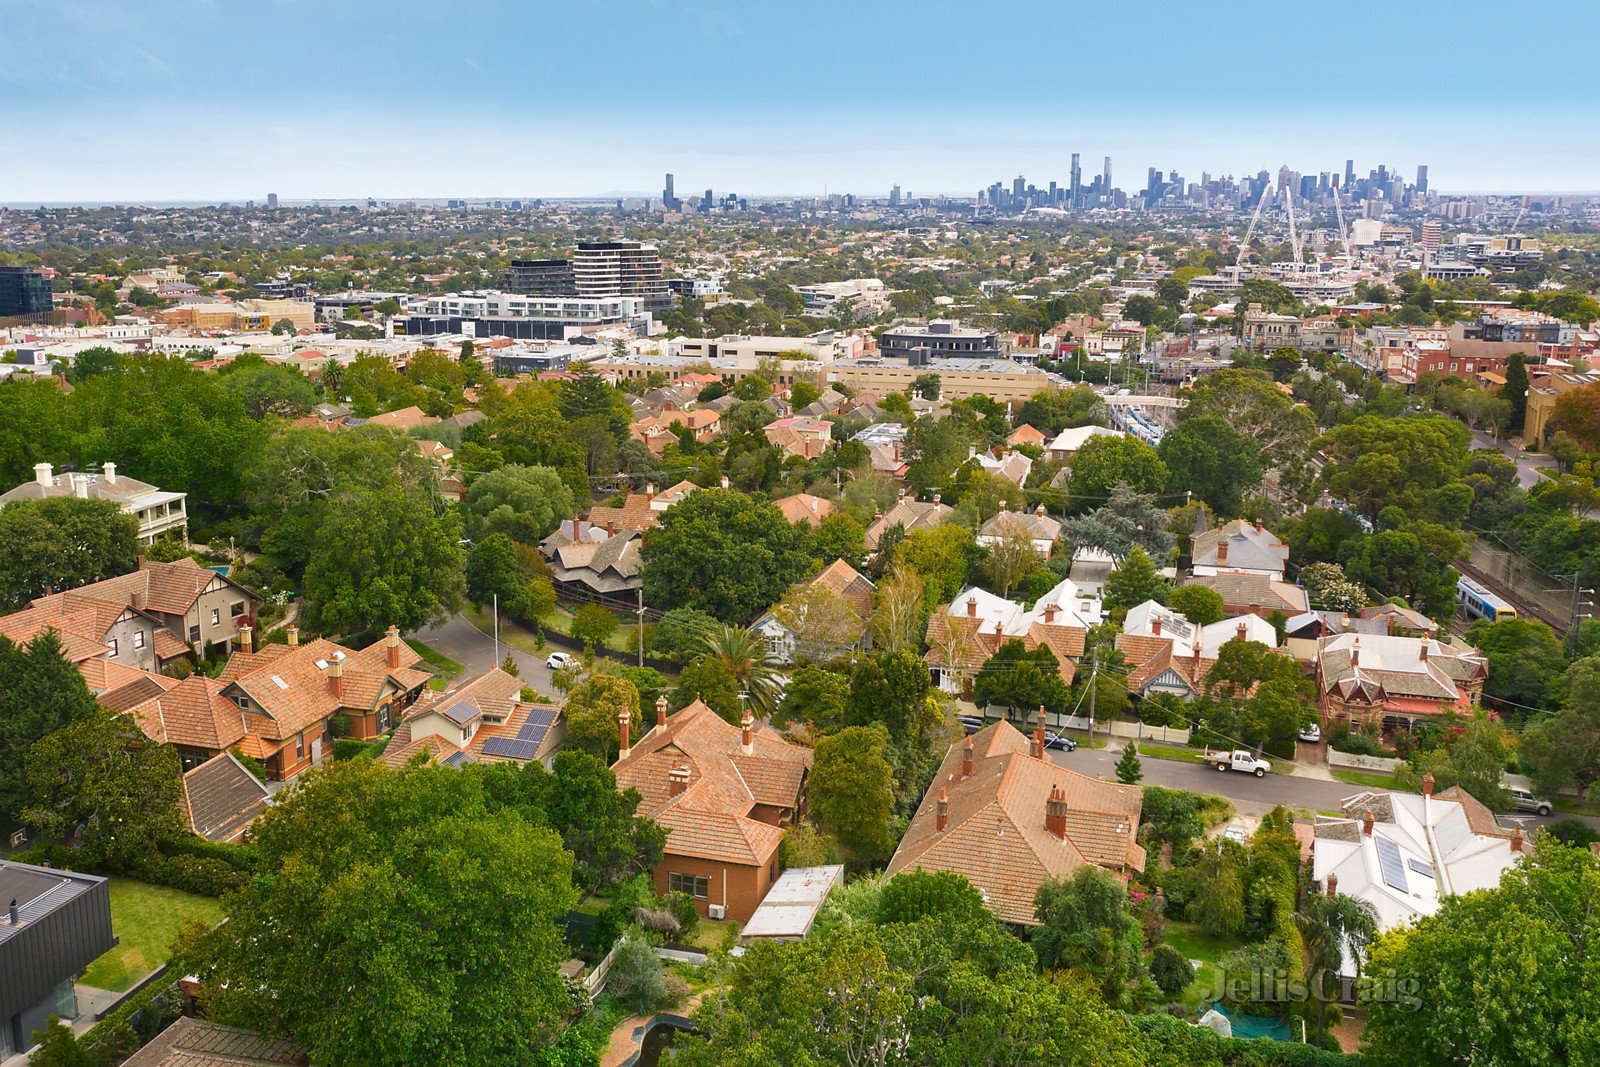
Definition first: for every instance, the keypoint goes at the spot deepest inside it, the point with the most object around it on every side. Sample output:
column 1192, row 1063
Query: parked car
column 1236, row 833
column 1055, row 740
column 1312, row 734
column 1239, row 760
column 559, row 660
column 1523, row 800
column 970, row 723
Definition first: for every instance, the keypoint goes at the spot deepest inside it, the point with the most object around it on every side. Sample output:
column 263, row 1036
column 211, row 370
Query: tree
column 1053, row 410
column 268, row 388
column 1200, row 604
column 1577, row 413
column 60, row 543
column 724, row 554
column 1012, row 555
column 942, row 557
column 899, row 615
column 816, row 696
column 1515, row 390
column 1087, row 925
column 596, row 820
column 708, row 679
column 1129, row 769
column 1502, row 975
column 40, row 693
column 1170, row 970
column 1123, row 521
column 524, row 503
column 1525, row 661
column 88, row 774
column 593, row 625
column 912, row 896
column 748, row 660
column 498, row 566
column 1375, row 462
column 381, row 557
column 1218, row 881
column 55, row 1046
column 839, row 536
column 1105, row 462
column 1134, row 581
column 283, row 326
column 1333, row 926
column 1327, row 585
column 591, row 711
column 680, row 633
column 1207, row 455
column 1398, row 563
column 453, row 959
column 851, row 789
column 1563, row 751
column 1018, row 677
column 926, row 386
column 824, row 623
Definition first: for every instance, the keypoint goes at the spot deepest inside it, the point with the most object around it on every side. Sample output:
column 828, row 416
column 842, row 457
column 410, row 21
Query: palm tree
column 1331, row 926
column 748, row 659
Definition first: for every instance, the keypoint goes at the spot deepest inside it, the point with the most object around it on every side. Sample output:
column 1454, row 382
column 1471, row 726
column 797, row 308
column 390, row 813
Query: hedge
column 1201, row 1045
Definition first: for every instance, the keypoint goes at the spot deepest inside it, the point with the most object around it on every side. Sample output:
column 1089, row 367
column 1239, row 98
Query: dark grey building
column 939, row 339
column 24, row 292
column 53, row 924
column 540, row 277
column 511, row 362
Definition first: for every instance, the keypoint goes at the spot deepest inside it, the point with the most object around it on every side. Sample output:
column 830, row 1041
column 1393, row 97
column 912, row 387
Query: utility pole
column 497, row 629
column 641, row 625
column 1094, row 672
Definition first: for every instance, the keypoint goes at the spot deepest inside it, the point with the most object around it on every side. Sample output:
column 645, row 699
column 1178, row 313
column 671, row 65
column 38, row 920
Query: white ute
column 1239, row 759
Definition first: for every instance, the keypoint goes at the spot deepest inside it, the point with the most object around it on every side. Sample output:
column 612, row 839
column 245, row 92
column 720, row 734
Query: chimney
column 972, row 607
column 902, row 492
column 936, row 497
column 1196, row 671
column 391, row 640
column 1049, row 613
column 677, row 780
column 111, row 473
column 1258, row 526
column 941, row 810
column 724, row 481
column 747, row 732
column 80, row 486
column 1333, row 884
column 1427, row 784
column 1366, row 824
column 1036, row 742
column 1222, row 550
column 1055, row 812
column 1422, row 648
column 246, row 635
column 661, row 711
column 1039, row 511
column 43, row 473
column 336, row 679
column 650, row 493
column 294, row 636
column 623, row 720
column 1516, row 842
column 1243, row 630
column 16, row 919
column 1155, row 625
column 897, row 452
column 1355, row 653
column 966, row 758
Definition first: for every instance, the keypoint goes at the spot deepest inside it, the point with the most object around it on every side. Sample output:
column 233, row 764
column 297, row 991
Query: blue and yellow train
column 1479, row 603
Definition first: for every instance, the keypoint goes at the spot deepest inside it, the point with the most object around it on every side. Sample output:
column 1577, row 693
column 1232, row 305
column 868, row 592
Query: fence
column 1356, row 761
column 1136, row 731
column 595, row 980
column 1551, row 599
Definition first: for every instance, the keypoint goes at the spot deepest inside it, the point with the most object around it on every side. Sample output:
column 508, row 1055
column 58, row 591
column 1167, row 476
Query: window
column 194, row 634
column 299, row 746
column 693, row 884
column 216, row 616
column 138, row 639
column 236, row 609
column 113, row 648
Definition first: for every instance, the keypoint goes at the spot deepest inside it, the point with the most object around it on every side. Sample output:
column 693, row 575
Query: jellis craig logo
column 1277, row 986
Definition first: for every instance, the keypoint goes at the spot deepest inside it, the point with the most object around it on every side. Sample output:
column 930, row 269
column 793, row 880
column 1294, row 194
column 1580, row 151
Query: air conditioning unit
column 716, row 911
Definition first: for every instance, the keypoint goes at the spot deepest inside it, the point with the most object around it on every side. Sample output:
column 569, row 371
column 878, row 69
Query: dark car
column 970, row 723
column 1055, row 740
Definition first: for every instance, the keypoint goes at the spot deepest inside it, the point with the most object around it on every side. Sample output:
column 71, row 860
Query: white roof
column 1071, row 440
column 1073, row 607
column 1212, row 636
column 792, row 904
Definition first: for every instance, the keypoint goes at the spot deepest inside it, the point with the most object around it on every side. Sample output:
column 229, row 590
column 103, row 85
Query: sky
column 230, row 99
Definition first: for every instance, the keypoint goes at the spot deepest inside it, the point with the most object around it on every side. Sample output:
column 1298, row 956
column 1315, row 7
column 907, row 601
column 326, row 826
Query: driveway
column 469, row 646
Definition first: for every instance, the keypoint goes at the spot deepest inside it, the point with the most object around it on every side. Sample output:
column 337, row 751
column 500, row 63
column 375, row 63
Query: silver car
column 1526, row 801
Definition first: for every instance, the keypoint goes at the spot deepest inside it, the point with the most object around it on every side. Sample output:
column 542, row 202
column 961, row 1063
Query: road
column 1528, row 473
column 1250, row 795
column 474, row 650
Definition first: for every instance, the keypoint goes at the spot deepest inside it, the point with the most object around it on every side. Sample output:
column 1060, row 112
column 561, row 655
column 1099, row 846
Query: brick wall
column 738, row 888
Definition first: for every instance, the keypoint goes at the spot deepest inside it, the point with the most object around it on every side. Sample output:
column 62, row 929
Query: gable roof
column 507, row 729
column 1380, row 667
column 221, row 799
column 190, row 1042
column 711, row 819
column 996, row 834
column 167, row 588
column 191, row 713
column 910, row 513
column 1241, row 591
column 1250, row 547
column 803, row 507
column 292, row 684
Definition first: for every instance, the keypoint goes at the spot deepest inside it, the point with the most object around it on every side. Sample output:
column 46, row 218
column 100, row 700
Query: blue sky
column 228, row 99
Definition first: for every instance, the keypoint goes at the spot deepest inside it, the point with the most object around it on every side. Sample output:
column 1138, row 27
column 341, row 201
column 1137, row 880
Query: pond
column 656, row 1047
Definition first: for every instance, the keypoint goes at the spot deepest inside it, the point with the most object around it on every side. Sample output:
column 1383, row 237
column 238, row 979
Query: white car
column 1312, row 733
column 558, row 660
column 1236, row 833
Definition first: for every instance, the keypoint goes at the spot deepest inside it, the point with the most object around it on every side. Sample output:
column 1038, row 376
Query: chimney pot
column 1258, row 526
column 246, row 637
column 44, row 473
column 1055, row 812
column 1366, row 824
column 678, row 780
column 941, row 811
column 80, row 486
column 623, row 720
column 392, row 641
column 294, row 636
column 336, row 679
column 966, row 759
column 661, row 711
column 1427, row 784
column 972, row 607
column 1155, row 625
column 1333, row 884
column 1049, row 613
column 1222, row 550
column 747, row 732
column 16, row 919
column 1516, row 840
column 1039, row 510
column 111, row 473
column 1242, row 630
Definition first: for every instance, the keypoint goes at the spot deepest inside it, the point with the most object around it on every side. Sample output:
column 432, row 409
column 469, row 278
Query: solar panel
column 1393, row 867
column 457, row 759
column 510, row 748
column 1424, row 869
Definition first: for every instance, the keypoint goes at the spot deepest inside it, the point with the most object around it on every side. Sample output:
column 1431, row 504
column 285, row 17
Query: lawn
column 625, row 639
column 145, row 919
column 1182, row 755
column 712, row 934
column 1196, row 944
column 437, row 660
column 1367, row 778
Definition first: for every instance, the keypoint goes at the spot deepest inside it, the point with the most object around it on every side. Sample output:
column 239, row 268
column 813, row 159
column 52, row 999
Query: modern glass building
column 24, row 292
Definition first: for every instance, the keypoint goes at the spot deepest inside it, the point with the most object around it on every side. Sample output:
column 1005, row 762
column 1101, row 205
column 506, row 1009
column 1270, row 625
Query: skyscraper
column 1105, row 182
column 1349, row 173
column 1422, row 177
column 894, row 195
column 669, row 200
column 24, row 292
column 272, row 201
column 1076, row 192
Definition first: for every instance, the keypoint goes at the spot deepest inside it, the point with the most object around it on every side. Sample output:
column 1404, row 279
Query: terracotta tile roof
column 134, row 692
column 493, row 699
column 634, row 514
column 996, row 833
column 960, row 642
column 1026, row 435
column 101, row 674
column 711, row 818
column 292, row 684
column 192, row 713
column 912, row 515
column 1148, row 657
column 221, row 799
column 849, row 583
column 803, row 507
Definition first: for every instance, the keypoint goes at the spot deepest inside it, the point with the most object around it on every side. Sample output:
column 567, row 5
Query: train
column 1478, row 602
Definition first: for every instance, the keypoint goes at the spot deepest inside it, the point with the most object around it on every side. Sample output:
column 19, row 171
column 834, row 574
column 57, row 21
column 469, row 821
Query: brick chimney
column 1055, row 812
column 941, row 810
column 1036, row 742
column 1355, row 653
column 1049, row 613
column 1155, row 625
column 661, row 711
column 1222, row 549
column 391, row 640
column 902, row 492
column 1242, row 630
column 972, row 607
column 1366, row 823
column 624, row 719
column 1516, row 840
column 747, row 733
column 724, row 481
column 1427, row 784
column 294, row 636
column 677, row 780
column 1333, row 884
column 966, row 759
column 650, row 493
column 1039, row 511
column 245, row 637
column 1258, row 526
column 336, row 679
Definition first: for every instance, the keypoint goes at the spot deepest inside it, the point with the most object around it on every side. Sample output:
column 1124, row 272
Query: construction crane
column 1294, row 234
column 1517, row 222
column 1250, row 231
column 1344, row 234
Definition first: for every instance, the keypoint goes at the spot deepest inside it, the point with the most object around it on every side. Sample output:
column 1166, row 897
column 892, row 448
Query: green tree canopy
column 1106, row 462
column 725, row 554
column 40, row 693
column 60, row 543
column 1022, row 678
column 851, row 789
column 1134, row 581
column 524, row 503
column 1088, row 926
column 1207, row 455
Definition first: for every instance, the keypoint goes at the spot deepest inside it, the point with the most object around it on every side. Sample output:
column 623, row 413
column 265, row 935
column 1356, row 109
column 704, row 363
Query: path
column 629, row 1034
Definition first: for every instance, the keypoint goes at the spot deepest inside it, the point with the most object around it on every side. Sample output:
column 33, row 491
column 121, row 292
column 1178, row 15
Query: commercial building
column 53, row 924
column 1001, row 379
column 492, row 313
column 939, row 339
column 24, row 292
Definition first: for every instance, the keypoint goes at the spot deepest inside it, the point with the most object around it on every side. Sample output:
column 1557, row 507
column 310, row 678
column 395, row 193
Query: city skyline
column 197, row 102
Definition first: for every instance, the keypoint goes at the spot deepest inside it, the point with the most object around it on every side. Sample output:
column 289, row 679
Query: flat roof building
column 939, row 339
column 53, row 924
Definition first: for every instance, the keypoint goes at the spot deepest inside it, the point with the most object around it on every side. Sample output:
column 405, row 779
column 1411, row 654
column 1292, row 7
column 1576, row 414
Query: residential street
column 1528, row 473
column 474, row 650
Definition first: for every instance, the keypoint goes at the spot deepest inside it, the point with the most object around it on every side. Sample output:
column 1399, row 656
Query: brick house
column 800, row 436
column 724, row 794
column 483, row 720
column 290, row 693
column 1394, row 681
column 190, row 714
column 1005, row 817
